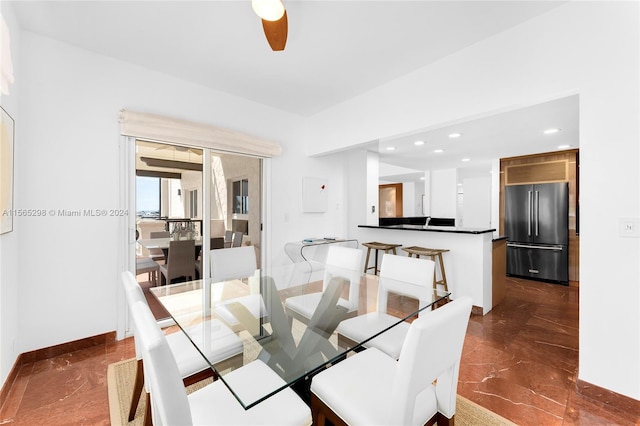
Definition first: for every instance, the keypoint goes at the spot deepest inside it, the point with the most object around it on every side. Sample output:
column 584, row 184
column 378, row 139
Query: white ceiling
column 335, row 49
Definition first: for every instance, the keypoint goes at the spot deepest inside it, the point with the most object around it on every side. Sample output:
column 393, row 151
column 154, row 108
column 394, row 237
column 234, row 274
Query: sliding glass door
column 182, row 195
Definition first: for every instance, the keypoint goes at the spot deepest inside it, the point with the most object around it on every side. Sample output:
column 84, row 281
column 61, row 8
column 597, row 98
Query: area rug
column 120, row 377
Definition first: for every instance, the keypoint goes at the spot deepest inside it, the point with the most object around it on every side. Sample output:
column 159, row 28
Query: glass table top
column 236, row 322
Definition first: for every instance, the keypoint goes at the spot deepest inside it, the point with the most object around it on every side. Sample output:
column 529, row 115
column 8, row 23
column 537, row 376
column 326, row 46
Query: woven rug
column 120, row 377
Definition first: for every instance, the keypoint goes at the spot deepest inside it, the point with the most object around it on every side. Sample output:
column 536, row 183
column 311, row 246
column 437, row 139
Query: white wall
column 9, row 276
column 66, row 269
column 444, row 199
column 589, row 48
column 409, row 199
column 476, row 202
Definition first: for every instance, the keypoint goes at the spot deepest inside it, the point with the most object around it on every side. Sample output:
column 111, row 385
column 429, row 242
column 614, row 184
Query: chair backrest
column 169, row 402
column 228, row 236
column 232, row 263
column 133, row 293
column 237, row 239
column 344, row 262
column 159, row 234
column 181, row 259
column 431, row 350
column 132, row 290
column 216, row 243
column 408, row 276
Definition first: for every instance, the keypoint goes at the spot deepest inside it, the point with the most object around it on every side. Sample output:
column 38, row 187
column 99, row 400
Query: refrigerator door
column 518, row 223
column 551, row 213
column 543, row 262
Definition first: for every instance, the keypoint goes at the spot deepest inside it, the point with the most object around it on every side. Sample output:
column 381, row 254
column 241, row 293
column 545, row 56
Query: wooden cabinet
column 498, row 271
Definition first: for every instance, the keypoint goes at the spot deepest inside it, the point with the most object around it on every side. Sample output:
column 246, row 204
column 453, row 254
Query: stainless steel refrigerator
column 537, row 229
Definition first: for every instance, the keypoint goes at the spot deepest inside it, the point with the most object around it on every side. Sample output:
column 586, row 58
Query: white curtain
column 159, row 128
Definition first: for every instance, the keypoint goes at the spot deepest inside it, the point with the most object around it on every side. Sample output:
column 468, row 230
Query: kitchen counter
column 468, row 263
column 451, row 229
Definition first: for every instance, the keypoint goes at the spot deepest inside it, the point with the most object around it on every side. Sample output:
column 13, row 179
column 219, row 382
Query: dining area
column 177, row 255
column 348, row 348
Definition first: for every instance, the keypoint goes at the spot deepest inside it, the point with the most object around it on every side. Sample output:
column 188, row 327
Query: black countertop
column 450, row 229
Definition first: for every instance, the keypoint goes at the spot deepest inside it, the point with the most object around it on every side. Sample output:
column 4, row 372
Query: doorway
column 177, row 198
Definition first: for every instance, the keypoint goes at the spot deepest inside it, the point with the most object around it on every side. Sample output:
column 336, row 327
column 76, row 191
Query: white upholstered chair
column 192, row 367
column 372, row 388
column 406, row 276
column 214, row 404
column 233, row 264
column 341, row 262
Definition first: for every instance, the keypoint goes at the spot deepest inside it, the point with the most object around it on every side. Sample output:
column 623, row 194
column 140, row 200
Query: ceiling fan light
column 269, row 10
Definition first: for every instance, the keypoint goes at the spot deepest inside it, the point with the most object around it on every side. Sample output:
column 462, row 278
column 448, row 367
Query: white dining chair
column 344, row 262
column 213, row 404
column 404, row 276
column 193, row 367
column 236, row 263
column 233, row 263
column 372, row 388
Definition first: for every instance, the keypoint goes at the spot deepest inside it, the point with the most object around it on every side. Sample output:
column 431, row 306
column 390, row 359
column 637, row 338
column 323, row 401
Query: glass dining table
column 253, row 310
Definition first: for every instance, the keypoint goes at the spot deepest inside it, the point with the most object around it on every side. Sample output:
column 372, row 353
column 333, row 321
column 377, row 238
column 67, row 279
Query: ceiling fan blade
column 276, row 32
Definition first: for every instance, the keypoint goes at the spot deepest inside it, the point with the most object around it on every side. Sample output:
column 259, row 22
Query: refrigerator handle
column 537, row 211
column 530, row 207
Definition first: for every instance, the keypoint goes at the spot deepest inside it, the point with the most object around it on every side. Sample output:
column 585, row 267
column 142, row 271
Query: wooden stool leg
column 444, row 276
column 375, row 265
column 366, row 262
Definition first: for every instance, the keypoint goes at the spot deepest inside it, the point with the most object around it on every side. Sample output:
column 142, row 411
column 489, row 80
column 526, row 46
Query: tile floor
column 520, row 360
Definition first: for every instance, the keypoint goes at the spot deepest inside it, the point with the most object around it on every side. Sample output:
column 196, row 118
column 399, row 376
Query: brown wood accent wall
column 392, row 193
column 544, row 172
column 545, row 168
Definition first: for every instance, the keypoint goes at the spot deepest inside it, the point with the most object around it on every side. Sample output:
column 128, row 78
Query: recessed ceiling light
column 418, row 143
column 455, row 135
column 422, row 178
column 438, row 151
column 391, row 148
column 464, row 160
column 551, row 131
column 564, row 146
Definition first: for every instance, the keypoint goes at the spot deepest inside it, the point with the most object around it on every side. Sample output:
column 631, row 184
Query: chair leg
column 147, row 420
column 442, row 420
column 320, row 413
column 137, row 390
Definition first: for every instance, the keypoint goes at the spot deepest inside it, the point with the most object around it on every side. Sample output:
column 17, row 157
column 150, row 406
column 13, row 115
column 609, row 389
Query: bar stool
column 433, row 254
column 374, row 245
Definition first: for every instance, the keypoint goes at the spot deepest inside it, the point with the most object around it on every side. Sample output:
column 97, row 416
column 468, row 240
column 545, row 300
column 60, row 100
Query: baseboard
column 50, row 352
column 477, row 310
column 605, row 396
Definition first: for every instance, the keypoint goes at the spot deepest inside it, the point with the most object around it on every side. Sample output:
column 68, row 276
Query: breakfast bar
column 468, row 263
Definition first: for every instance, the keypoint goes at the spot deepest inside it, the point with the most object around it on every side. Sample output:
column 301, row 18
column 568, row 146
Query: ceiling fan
column 274, row 21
